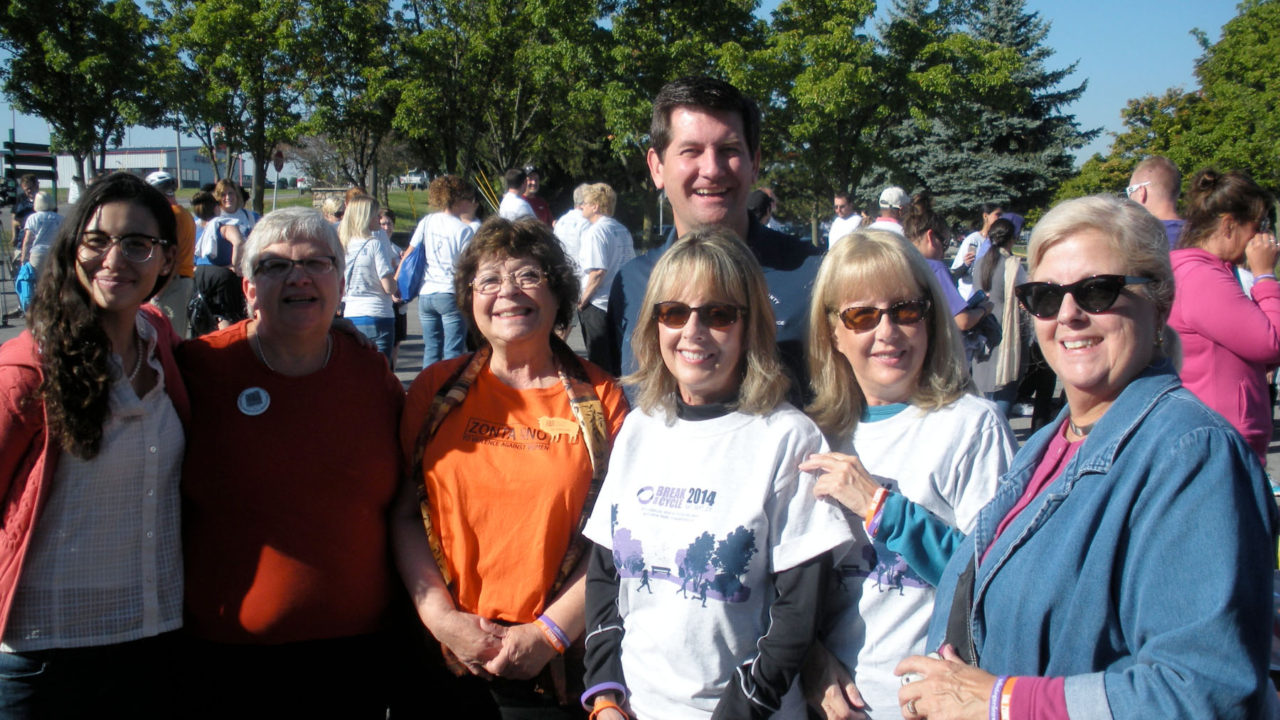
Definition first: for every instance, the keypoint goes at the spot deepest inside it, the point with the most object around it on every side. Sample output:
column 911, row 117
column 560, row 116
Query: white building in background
column 197, row 170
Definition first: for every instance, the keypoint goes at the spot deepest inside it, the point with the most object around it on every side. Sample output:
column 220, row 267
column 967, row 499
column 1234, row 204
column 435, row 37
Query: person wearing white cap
column 175, row 296
column 893, row 202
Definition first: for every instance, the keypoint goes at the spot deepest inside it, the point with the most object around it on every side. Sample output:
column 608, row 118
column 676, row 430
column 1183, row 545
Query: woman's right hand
column 473, row 639
column 828, row 686
column 842, row 478
column 1261, row 253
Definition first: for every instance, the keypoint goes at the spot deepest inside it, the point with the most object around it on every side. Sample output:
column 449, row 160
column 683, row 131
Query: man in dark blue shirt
column 706, row 156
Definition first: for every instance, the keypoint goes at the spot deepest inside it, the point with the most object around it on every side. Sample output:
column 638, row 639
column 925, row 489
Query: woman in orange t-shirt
column 509, row 462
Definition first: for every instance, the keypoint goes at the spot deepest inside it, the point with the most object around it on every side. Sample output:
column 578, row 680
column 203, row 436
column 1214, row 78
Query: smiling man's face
column 707, row 169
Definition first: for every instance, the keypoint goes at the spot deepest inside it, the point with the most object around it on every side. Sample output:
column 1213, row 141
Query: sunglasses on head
column 714, row 315
column 1093, row 294
column 907, row 312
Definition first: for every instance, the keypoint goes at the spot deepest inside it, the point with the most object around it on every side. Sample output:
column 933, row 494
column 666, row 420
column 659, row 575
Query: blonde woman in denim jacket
column 1123, row 569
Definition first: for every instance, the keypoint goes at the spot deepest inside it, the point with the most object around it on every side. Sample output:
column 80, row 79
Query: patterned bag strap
column 450, row 396
column 594, row 430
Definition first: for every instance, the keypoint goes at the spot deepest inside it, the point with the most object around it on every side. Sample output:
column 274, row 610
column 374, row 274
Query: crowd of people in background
column 780, row 480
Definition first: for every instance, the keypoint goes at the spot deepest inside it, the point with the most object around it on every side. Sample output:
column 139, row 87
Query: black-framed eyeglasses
column 136, row 247
column 490, row 283
column 1093, row 294
column 717, row 316
column 278, row 267
column 865, row 318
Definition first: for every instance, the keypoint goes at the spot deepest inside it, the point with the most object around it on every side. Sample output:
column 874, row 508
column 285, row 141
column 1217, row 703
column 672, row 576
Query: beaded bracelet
column 553, row 633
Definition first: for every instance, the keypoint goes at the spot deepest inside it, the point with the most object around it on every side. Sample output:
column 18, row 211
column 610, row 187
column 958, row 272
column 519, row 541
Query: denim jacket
column 1142, row 573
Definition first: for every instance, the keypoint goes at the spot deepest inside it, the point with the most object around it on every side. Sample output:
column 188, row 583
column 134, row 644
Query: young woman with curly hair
column 91, row 444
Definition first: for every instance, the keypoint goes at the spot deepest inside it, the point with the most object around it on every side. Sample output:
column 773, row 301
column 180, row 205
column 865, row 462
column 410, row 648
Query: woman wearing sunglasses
column 91, row 444
column 1124, row 567
column 915, row 456
column 290, row 471
column 508, row 447
column 711, row 548
column 1229, row 338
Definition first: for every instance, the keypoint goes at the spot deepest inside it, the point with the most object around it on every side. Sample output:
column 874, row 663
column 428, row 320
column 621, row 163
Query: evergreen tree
column 1011, row 146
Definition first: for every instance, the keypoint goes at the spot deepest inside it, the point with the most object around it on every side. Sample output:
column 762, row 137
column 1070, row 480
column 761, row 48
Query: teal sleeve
column 919, row 536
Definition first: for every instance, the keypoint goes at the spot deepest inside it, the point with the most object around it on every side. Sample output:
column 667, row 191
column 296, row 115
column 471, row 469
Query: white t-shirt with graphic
column 700, row 515
column 946, row 460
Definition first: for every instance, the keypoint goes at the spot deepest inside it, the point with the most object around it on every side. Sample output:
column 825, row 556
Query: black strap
column 959, row 631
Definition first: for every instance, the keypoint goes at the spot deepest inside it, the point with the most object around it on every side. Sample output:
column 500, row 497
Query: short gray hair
column 44, row 202
column 287, row 225
column 580, row 194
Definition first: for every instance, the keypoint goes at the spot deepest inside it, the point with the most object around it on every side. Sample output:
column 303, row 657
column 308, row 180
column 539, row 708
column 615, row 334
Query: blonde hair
column 877, row 263
column 602, row 196
column 1134, row 234
column 361, row 210
column 714, row 261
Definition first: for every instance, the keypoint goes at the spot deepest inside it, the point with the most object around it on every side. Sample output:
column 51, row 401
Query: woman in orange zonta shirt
column 508, row 446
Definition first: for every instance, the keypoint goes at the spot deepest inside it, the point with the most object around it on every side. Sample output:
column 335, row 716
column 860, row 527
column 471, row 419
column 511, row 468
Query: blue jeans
column 1004, row 397
column 382, row 331
column 134, row 679
column 444, row 330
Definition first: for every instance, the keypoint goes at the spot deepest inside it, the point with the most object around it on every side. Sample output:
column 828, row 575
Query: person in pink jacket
column 1229, row 339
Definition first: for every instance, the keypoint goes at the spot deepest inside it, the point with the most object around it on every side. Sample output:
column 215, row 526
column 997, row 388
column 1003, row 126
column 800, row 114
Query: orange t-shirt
column 186, row 241
column 506, row 473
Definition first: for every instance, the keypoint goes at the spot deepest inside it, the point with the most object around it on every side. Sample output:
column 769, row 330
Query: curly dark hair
column 446, row 190
column 526, row 237
column 74, row 350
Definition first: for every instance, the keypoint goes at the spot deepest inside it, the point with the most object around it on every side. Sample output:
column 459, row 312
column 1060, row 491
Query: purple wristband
column 588, row 697
column 555, row 630
column 993, row 709
column 874, row 526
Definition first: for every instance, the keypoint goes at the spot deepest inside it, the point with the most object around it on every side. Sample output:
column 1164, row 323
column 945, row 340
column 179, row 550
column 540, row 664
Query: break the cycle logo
column 675, row 497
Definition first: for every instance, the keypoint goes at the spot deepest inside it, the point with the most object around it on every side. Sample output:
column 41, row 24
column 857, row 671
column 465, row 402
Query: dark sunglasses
column 1093, row 294
column 907, row 312
column 714, row 315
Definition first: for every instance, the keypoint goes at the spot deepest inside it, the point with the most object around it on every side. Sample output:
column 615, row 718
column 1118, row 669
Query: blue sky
column 1125, row 49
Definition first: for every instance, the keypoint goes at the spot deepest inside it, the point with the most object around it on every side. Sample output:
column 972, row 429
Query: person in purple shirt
column 1155, row 185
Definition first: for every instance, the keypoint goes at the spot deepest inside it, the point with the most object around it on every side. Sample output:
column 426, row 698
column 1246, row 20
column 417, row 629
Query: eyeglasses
column 524, row 278
column 1129, row 191
column 278, row 267
column 862, row 319
column 717, row 316
column 136, row 247
column 1093, row 294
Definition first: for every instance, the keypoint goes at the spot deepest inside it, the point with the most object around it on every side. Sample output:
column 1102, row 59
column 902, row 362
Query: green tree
column 350, row 62
column 1237, row 125
column 488, row 83
column 84, row 66
column 1004, row 135
column 246, row 54
column 1152, row 126
column 824, row 120
column 1230, row 121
